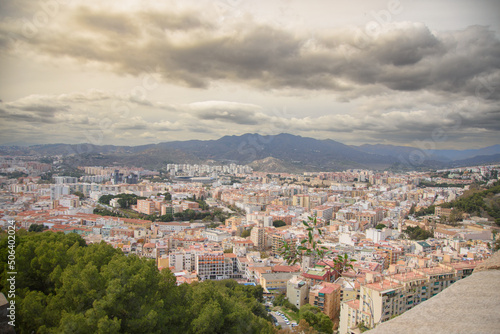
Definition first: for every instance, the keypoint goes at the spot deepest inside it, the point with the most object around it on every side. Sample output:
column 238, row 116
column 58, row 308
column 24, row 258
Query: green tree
column 417, row 233
column 166, row 218
column 246, row 233
column 105, row 199
column 312, row 247
column 380, row 226
column 496, row 244
column 455, row 216
column 37, row 228
column 79, row 194
column 227, row 307
column 279, row 223
column 362, row 327
column 425, row 211
column 315, row 318
column 167, row 195
column 65, row 286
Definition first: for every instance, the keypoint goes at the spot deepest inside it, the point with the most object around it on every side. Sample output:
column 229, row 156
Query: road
column 281, row 320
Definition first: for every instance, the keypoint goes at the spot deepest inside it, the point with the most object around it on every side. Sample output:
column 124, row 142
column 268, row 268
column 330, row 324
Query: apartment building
column 210, row 265
column 182, row 260
column 395, row 294
column 277, row 240
column 326, row 296
column 323, row 211
column 216, row 266
column 258, row 237
column 166, row 209
column 297, row 291
column 301, row 200
column 145, row 206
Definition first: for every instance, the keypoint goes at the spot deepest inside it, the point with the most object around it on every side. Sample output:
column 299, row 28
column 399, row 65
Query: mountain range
column 283, row 152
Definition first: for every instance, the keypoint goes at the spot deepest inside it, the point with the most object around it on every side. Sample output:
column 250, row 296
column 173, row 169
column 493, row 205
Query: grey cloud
column 213, row 117
column 229, row 116
column 85, row 97
column 18, row 8
column 489, row 120
column 126, row 127
column 43, row 109
column 228, row 112
column 34, row 108
column 104, row 22
column 395, row 48
column 200, row 130
column 403, row 57
column 140, row 101
column 24, row 117
column 175, row 21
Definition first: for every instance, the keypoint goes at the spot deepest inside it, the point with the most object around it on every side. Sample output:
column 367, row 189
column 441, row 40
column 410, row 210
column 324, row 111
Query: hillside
column 289, row 153
column 484, row 203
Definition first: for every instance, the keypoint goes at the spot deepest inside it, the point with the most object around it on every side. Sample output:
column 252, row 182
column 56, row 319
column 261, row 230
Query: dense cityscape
column 249, row 167
column 408, row 234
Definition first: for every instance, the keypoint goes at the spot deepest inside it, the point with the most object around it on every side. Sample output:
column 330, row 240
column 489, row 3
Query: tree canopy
column 66, row 286
column 37, row 228
column 484, row 202
column 278, row 223
column 315, row 318
column 246, row 233
column 425, row 211
column 125, row 200
column 417, row 233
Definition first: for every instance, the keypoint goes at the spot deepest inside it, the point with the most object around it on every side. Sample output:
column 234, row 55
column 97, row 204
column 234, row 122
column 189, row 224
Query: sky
column 401, row 72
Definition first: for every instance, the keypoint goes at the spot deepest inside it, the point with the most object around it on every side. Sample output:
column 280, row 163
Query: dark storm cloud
column 194, row 52
column 24, row 117
column 489, row 120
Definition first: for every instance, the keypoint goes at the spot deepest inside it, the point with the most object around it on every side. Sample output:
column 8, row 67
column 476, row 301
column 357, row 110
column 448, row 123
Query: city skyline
column 136, row 73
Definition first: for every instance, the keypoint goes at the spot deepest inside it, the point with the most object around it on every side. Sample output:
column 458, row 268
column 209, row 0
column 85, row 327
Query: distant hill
column 273, row 165
column 436, row 155
column 283, row 152
column 478, row 160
